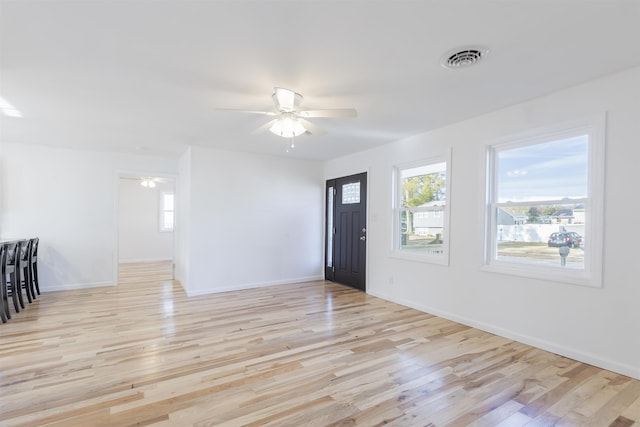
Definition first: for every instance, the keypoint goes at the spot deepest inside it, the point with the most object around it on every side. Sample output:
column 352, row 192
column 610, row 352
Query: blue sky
column 547, row 171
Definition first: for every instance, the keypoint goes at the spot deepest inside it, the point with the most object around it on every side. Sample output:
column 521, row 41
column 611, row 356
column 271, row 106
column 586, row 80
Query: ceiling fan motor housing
column 286, row 100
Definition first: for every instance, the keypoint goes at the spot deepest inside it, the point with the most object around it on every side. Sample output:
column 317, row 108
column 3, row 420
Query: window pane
column 167, row 222
column 351, row 193
column 167, row 201
column 541, row 234
column 423, row 185
column 547, row 171
column 422, row 232
column 422, row 203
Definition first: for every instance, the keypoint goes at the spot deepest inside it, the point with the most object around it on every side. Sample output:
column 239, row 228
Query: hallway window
column 166, row 211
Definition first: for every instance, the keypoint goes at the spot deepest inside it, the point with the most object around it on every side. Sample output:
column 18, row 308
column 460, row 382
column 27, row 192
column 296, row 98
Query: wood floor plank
column 307, row 354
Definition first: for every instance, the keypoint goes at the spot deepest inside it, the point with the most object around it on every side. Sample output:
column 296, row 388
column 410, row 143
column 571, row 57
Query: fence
column 534, row 232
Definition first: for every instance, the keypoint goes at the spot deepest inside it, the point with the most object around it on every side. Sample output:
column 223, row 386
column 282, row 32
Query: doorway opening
column 346, row 231
column 145, row 232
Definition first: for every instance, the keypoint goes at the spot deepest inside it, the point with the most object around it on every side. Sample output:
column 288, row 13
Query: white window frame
column 162, row 211
column 591, row 275
column 396, row 249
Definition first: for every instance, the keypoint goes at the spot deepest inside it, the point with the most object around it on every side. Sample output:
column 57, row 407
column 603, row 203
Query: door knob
column 363, row 238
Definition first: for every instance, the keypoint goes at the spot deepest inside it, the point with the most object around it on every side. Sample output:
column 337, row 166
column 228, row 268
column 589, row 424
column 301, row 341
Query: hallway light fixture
column 148, row 182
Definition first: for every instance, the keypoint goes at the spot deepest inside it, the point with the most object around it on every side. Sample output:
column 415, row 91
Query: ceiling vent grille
column 462, row 58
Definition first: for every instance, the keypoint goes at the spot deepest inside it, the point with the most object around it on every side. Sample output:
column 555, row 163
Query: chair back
column 11, row 250
column 25, row 251
column 34, row 249
column 3, row 252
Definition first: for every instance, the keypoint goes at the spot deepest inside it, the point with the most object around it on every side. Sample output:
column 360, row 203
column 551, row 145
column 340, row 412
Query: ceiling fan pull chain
column 292, row 145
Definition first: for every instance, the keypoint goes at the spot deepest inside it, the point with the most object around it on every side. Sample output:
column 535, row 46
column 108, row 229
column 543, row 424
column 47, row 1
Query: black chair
column 24, row 276
column 4, row 300
column 34, row 264
column 12, row 271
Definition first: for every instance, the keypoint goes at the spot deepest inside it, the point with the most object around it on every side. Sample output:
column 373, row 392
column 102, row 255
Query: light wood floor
column 309, row 354
column 136, row 272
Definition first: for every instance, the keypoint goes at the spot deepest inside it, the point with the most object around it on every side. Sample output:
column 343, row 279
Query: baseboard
column 610, row 365
column 134, row 260
column 253, row 285
column 72, row 286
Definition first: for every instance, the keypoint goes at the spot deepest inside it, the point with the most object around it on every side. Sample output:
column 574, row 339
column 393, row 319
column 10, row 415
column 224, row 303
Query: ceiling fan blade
column 265, row 127
column 331, row 112
column 162, row 180
column 286, row 100
column 311, row 128
column 264, row 113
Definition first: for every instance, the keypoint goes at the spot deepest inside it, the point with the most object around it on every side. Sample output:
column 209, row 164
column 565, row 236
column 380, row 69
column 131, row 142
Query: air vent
column 462, row 58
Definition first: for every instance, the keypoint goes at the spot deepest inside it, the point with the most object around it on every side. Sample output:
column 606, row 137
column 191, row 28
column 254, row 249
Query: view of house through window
column 421, row 205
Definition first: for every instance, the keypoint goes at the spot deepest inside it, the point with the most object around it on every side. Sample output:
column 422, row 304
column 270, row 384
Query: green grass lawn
column 534, row 251
column 538, row 251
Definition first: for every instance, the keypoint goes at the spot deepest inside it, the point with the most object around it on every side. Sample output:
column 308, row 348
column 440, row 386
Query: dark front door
column 347, row 230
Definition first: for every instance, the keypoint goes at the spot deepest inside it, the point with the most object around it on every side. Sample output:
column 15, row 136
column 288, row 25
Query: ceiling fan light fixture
column 289, row 120
column 287, row 127
column 148, row 182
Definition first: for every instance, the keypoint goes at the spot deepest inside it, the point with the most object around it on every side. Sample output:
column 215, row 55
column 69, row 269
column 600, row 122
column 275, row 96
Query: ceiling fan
column 147, row 181
column 289, row 120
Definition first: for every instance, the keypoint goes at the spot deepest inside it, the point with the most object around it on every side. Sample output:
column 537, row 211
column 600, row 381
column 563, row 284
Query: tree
column 534, row 215
column 421, row 189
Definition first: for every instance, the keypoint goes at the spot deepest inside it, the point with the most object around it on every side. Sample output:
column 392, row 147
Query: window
column 351, row 193
column 544, row 204
column 166, row 211
column 330, row 210
column 421, row 211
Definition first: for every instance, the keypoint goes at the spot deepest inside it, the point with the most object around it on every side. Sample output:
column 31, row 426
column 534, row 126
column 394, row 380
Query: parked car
column 565, row 238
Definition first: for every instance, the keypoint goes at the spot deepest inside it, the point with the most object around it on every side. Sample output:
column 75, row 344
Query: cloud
column 548, row 171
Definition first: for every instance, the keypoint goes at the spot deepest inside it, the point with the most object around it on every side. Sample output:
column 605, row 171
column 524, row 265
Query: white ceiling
column 147, row 76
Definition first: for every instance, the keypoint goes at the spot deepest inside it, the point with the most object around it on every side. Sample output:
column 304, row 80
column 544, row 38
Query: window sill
column 442, row 259
column 552, row 274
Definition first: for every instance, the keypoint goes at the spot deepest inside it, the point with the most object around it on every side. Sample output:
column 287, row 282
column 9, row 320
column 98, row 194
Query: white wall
column 254, row 220
column 67, row 198
column 243, row 220
column 182, row 240
column 139, row 235
column 596, row 325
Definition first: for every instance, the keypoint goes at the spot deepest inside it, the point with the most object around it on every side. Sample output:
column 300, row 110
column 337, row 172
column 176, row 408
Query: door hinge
column 334, row 230
column 333, row 269
column 335, row 191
